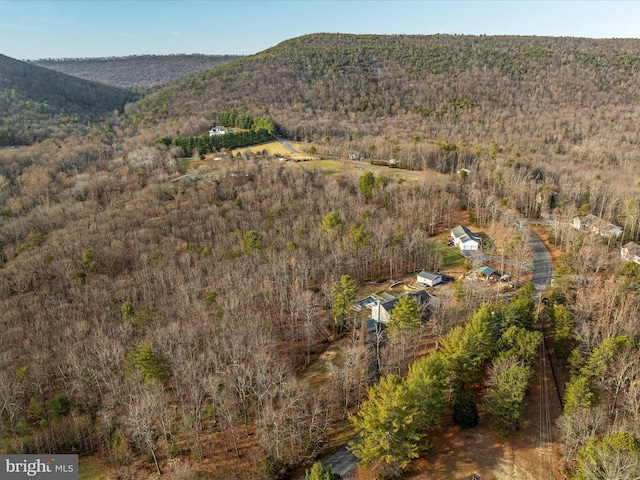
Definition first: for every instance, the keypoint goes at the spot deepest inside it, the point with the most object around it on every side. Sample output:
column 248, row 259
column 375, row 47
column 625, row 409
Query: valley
column 176, row 306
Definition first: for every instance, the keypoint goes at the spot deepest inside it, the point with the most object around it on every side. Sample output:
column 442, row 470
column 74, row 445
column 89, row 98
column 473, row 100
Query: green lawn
column 328, row 167
column 91, row 469
column 452, row 257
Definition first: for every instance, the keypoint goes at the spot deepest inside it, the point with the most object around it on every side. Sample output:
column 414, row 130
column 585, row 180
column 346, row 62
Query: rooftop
column 485, row 270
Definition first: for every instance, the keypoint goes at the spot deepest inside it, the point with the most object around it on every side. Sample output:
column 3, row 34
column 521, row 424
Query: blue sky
column 33, row 29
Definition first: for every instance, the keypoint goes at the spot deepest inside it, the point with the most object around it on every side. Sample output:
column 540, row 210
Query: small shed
column 484, row 270
column 428, row 279
column 488, row 272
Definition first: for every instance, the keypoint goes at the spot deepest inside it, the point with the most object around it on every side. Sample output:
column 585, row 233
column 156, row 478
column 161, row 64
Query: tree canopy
column 406, row 314
column 388, row 424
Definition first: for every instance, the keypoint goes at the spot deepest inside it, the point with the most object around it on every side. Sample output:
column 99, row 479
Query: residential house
column 381, row 311
column 218, row 130
column 630, row 252
column 464, row 239
column 591, row 223
column 428, row 279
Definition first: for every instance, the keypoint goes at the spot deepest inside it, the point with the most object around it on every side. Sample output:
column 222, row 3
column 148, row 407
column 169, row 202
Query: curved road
column 285, row 143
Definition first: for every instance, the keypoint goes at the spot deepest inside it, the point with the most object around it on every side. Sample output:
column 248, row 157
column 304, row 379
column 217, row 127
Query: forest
column 174, row 325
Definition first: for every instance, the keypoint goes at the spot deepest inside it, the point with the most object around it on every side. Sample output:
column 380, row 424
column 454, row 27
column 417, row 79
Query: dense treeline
column 136, row 71
column 206, row 143
column 393, row 424
column 258, row 130
column 595, row 330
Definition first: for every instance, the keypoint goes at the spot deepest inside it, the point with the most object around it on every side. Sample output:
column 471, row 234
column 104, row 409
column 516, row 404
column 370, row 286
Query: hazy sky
column 31, row 29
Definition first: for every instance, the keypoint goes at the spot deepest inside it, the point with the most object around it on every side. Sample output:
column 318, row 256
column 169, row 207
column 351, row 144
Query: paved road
column 541, row 262
column 342, row 462
column 287, row 145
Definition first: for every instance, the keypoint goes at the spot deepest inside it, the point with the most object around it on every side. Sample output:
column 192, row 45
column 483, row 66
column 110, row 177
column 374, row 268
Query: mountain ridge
column 36, row 100
column 136, row 71
column 320, row 84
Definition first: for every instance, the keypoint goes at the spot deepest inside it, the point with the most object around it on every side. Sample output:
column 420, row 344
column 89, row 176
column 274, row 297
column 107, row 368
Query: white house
column 630, row 252
column 218, row 130
column 464, row 239
column 428, row 279
column 381, row 310
column 591, row 223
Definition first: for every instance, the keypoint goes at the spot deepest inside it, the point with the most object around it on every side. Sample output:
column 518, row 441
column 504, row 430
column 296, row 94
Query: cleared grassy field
column 277, row 149
column 334, row 167
column 300, row 147
column 328, row 167
column 309, row 161
column 91, row 469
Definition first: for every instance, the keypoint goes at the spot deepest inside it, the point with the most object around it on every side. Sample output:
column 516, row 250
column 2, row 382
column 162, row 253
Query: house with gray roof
column 464, row 239
column 591, row 223
column 428, row 279
column 381, row 311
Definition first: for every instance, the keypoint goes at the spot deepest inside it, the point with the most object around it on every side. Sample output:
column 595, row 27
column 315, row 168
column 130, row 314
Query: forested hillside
column 441, row 86
column 136, row 71
column 38, row 103
column 191, row 305
column 562, row 108
column 190, row 314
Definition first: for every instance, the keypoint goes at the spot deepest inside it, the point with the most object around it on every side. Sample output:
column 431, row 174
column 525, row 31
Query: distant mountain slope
column 35, row 101
column 464, row 88
column 138, row 70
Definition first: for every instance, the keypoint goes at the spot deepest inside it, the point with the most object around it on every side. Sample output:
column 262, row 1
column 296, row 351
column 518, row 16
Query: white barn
column 428, row 279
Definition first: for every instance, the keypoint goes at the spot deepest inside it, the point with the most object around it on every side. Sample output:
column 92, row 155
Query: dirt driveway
column 457, row 454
